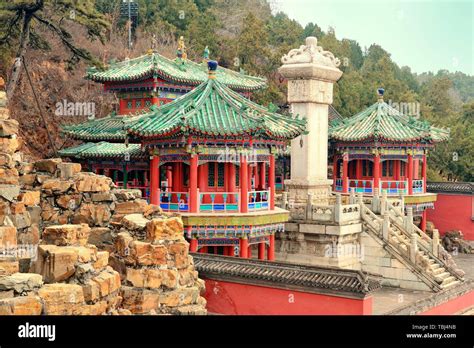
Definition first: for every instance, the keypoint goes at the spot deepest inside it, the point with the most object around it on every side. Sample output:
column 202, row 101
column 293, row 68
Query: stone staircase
column 386, row 222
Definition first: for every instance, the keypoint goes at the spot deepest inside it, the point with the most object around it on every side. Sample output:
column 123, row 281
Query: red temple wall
column 453, row 306
column 453, row 212
column 230, row 298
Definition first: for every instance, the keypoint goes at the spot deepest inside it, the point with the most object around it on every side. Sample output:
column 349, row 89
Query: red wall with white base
column 453, row 212
column 246, row 299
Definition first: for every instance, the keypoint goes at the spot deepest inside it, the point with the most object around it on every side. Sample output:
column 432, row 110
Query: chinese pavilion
column 381, row 149
column 140, row 83
column 217, row 150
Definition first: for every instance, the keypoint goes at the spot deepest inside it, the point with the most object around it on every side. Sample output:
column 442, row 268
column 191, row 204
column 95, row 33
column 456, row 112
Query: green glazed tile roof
column 382, row 122
column 103, row 150
column 154, row 64
column 107, row 128
column 213, row 109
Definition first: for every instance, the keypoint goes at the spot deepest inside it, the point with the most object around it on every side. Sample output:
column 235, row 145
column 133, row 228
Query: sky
column 426, row 35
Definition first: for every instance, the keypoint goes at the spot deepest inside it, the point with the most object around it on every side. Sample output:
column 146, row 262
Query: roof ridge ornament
column 311, row 53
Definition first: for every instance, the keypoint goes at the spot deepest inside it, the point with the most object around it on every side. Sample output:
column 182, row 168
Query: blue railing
column 174, row 201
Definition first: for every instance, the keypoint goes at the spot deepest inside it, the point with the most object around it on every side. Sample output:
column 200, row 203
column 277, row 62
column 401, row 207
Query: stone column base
column 298, row 190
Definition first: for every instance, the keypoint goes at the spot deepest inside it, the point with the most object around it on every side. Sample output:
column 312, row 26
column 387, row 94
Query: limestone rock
column 9, row 176
column 62, row 299
column 55, row 263
column 8, row 267
column 47, row 165
column 6, row 160
column 9, row 192
column 152, row 278
column 66, row 234
column 68, row 170
column 100, row 236
column 9, row 145
column 138, row 206
column 56, row 186
column 161, row 229
column 146, row 254
column 30, row 198
column 134, row 222
column 92, row 214
column 127, row 194
column 8, row 127
column 89, row 182
column 7, row 236
column 69, row 201
column 21, row 282
column 23, row 305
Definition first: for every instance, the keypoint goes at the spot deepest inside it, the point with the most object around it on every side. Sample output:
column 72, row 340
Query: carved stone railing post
column 375, row 201
column 413, row 247
column 338, row 208
column 309, row 206
column 435, row 244
column 352, row 197
column 284, row 199
column 409, row 220
column 383, row 203
column 311, row 73
column 402, row 203
column 386, row 225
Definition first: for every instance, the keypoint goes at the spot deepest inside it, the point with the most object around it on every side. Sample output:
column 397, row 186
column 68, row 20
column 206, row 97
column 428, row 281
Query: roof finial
column 380, row 92
column 205, row 54
column 181, row 51
column 153, row 44
column 212, row 67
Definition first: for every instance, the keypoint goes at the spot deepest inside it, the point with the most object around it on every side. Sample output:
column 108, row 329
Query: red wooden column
column 231, row 180
column 193, row 245
column 396, row 169
column 424, row 167
column 416, row 169
column 261, row 251
column 243, row 177
column 169, row 177
column 154, row 180
column 334, row 172
column 271, row 181
column 175, row 178
column 345, row 173
column 359, row 169
column 244, row 247
column 423, row 221
column 256, row 175
column 193, row 183
column 271, row 248
column 410, row 173
column 249, row 253
column 262, row 173
column 376, row 170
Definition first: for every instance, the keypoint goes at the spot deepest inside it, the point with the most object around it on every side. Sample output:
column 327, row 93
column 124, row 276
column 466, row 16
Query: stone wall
column 71, row 243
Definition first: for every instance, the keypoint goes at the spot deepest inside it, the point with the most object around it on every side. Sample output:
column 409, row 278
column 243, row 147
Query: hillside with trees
column 243, row 35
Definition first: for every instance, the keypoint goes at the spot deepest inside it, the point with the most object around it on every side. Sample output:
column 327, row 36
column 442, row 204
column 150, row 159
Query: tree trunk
column 16, row 68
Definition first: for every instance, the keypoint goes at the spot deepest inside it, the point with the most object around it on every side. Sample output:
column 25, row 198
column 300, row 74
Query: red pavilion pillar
column 244, row 197
column 193, row 183
column 154, row 180
column 193, row 245
column 271, row 181
column 271, row 248
column 334, row 172
column 261, row 251
column 424, row 168
column 423, row 221
column 376, row 170
column 345, row 173
column 249, row 253
column 410, row 173
column 262, row 173
column 359, row 169
column 244, row 247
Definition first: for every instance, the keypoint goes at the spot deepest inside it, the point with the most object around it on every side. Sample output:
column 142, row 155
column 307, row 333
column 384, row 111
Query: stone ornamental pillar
column 311, row 73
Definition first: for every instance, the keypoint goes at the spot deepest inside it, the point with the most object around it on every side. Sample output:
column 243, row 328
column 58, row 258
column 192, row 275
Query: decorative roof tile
column 285, row 274
column 103, row 150
column 189, row 72
column 382, row 122
column 213, row 109
column 110, row 128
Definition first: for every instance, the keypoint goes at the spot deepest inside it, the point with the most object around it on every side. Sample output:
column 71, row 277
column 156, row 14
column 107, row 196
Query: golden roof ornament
column 181, row 51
